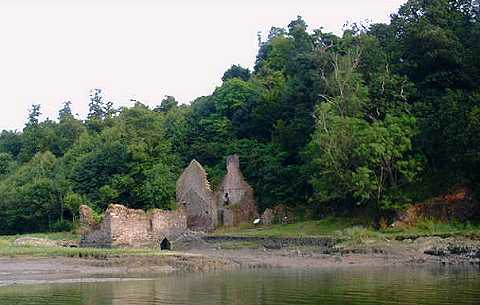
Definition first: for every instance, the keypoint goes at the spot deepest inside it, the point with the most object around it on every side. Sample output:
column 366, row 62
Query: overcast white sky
column 57, row 50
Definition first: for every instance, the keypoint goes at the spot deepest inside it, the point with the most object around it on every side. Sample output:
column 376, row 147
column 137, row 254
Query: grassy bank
column 434, row 228
column 343, row 229
column 324, row 227
column 50, row 235
column 349, row 228
column 9, row 249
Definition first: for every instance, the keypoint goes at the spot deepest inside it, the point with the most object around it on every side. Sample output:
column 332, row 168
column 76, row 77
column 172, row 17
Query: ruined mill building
column 199, row 209
column 232, row 204
column 235, row 200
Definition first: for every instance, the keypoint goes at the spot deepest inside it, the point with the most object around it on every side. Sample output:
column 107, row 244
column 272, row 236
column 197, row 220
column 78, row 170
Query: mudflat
column 231, row 255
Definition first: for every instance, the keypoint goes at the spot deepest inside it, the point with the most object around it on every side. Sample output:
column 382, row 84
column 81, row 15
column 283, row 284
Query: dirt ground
column 218, row 256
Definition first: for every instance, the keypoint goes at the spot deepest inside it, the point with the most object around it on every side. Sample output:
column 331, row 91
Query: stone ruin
column 267, row 217
column 236, row 203
column 122, row 226
column 232, row 204
column 196, row 196
column 199, row 209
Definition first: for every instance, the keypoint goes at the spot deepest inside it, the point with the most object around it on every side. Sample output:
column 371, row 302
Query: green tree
column 33, row 116
column 236, row 71
column 66, row 112
column 167, row 104
column 436, row 46
column 11, row 143
column 116, row 165
column 100, row 112
column 6, row 164
column 355, row 158
column 30, row 198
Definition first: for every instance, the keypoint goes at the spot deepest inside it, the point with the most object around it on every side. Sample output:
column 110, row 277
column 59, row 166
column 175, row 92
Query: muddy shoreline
column 230, row 254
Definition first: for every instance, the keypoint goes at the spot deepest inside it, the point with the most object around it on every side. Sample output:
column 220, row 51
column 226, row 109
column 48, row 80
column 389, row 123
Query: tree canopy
column 379, row 118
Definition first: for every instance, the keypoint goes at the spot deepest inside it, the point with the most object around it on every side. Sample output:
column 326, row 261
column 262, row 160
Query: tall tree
column 66, row 112
column 33, row 116
column 236, row 71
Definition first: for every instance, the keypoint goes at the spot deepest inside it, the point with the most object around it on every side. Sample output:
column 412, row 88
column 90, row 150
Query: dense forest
column 384, row 116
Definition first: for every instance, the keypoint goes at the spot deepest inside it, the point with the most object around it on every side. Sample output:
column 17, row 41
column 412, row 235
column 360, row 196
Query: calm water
column 410, row 285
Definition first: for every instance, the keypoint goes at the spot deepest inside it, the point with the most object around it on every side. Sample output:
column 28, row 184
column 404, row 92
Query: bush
column 357, row 234
column 61, row 226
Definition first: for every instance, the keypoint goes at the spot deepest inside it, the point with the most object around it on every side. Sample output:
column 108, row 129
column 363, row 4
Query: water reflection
column 410, row 285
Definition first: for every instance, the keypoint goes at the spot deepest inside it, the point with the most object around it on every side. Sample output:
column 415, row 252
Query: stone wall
column 267, row 217
column 198, row 209
column 128, row 227
column 93, row 234
column 240, row 206
column 196, row 196
column 168, row 223
column 121, row 227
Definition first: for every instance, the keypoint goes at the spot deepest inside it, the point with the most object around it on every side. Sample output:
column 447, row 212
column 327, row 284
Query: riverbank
column 55, row 257
column 224, row 254
column 28, row 270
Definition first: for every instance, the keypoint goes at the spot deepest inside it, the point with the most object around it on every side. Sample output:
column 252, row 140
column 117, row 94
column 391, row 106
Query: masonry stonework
column 235, row 198
column 196, row 196
column 121, row 226
column 199, row 209
column 267, row 217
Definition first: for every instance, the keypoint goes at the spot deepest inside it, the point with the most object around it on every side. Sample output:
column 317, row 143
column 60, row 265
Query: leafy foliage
column 342, row 123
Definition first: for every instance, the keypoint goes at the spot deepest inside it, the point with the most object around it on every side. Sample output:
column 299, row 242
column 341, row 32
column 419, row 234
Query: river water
column 395, row 285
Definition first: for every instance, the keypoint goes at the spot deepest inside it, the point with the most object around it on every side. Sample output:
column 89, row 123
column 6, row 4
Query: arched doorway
column 165, row 244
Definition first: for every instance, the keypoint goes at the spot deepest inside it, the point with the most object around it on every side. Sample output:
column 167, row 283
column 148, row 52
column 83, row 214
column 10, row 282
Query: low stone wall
column 123, row 227
column 168, row 223
column 128, row 227
column 93, row 234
